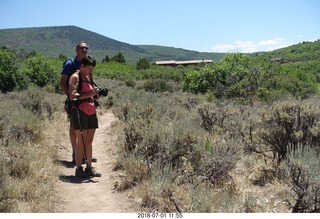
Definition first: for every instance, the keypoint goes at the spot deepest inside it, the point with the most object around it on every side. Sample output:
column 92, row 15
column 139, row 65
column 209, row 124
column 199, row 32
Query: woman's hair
column 88, row 60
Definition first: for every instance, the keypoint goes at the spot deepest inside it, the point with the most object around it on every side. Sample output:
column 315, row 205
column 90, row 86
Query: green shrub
column 143, row 64
column 7, row 71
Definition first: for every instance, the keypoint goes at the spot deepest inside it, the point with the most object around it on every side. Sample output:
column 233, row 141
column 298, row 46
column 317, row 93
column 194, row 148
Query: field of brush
column 180, row 152
column 236, row 136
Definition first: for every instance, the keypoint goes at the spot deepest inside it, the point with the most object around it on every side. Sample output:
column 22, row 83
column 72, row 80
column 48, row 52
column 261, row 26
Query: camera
column 103, row 92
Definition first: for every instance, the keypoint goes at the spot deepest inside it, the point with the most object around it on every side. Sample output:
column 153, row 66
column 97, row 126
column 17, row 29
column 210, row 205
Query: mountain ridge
column 56, row 40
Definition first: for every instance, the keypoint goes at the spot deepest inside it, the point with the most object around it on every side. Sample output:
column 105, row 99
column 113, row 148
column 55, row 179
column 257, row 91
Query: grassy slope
column 53, row 41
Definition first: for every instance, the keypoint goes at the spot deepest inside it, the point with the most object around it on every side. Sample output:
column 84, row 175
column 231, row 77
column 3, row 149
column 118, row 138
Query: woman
column 83, row 115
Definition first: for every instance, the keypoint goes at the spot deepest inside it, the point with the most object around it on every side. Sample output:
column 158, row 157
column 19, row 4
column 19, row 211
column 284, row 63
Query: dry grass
column 179, row 152
column 196, row 156
column 28, row 151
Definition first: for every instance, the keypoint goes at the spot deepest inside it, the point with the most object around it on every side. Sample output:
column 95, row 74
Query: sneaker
column 91, row 172
column 80, row 173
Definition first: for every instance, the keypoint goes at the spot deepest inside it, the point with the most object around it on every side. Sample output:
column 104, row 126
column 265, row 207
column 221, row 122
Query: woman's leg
column 88, row 145
column 79, row 147
column 91, row 171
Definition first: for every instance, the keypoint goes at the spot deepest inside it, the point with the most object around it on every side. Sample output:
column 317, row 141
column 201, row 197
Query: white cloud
column 250, row 47
column 238, row 46
column 223, row 48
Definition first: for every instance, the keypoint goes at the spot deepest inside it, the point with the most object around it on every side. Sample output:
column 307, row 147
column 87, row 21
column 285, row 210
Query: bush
column 157, row 85
column 302, row 166
column 27, row 172
column 143, row 64
column 289, row 123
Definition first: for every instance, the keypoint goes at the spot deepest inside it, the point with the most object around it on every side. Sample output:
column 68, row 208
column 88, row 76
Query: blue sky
column 203, row 25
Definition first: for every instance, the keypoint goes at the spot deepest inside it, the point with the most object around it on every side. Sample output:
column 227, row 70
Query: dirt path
column 95, row 194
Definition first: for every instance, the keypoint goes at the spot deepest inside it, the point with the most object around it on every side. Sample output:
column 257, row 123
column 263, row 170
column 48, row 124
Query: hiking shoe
column 91, row 172
column 80, row 173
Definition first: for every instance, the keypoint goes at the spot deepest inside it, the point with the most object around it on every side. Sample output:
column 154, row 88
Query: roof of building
column 188, row 62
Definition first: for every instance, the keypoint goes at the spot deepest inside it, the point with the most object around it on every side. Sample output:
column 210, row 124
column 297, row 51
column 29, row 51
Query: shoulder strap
column 72, row 59
column 79, row 83
column 74, row 69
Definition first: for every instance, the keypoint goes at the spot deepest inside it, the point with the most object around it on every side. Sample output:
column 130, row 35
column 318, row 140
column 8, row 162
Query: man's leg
column 73, row 141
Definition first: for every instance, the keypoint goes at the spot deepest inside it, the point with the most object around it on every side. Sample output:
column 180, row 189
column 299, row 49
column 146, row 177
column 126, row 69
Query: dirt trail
column 96, row 194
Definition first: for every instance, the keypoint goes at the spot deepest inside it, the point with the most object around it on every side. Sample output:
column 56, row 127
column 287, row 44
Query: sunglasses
column 84, row 48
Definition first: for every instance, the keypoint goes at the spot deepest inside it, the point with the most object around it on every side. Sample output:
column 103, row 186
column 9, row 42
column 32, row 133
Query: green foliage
column 222, row 78
column 156, row 53
column 143, row 64
column 7, row 71
column 114, row 70
column 118, row 58
column 303, row 56
column 125, row 72
column 106, row 59
column 40, row 72
column 52, row 41
column 236, row 77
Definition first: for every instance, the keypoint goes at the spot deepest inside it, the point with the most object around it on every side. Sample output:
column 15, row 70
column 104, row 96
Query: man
column 70, row 67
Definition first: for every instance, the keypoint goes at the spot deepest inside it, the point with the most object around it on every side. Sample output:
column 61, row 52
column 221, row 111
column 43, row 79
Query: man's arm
column 63, row 83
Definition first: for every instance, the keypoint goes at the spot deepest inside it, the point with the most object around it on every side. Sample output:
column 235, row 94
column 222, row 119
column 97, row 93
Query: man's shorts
column 87, row 121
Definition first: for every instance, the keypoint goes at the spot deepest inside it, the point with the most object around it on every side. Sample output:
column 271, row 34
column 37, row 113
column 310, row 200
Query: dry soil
column 94, row 195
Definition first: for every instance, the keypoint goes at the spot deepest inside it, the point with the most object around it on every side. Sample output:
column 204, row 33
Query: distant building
column 280, row 60
column 183, row 63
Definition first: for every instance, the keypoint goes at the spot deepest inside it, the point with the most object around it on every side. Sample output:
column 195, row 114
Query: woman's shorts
column 86, row 121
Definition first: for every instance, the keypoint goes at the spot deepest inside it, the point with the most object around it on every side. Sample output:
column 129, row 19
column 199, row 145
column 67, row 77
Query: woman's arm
column 73, row 89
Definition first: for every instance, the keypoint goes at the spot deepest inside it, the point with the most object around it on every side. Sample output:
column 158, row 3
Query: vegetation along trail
column 95, row 194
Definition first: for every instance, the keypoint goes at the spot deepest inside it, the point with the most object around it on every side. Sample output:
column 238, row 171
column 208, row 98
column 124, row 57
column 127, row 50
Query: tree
column 7, row 71
column 40, row 72
column 224, row 78
column 106, row 59
column 143, row 64
column 118, row 58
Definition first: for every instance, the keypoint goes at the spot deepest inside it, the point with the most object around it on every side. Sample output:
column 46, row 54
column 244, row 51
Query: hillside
column 304, row 56
column 171, row 53
column 53, row 41
column 301, row 52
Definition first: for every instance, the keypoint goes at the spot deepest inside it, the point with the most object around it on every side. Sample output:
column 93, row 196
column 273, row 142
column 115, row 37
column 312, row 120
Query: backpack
column 72, row 61
column 74, row 69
